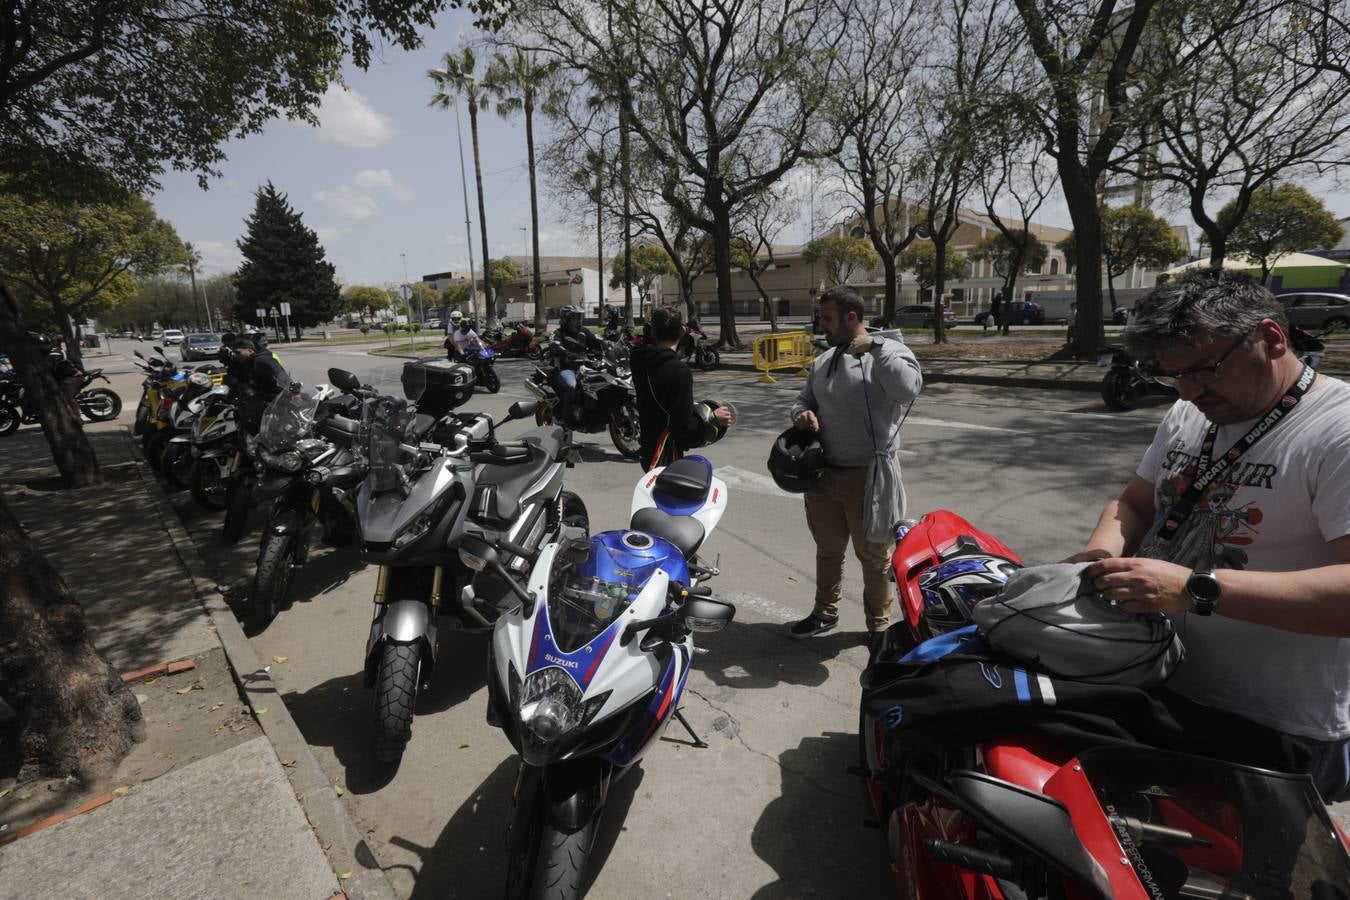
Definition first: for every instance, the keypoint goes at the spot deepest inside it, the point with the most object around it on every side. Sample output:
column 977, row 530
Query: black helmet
column 797, row 460
column 570, row 317
column 712, row 432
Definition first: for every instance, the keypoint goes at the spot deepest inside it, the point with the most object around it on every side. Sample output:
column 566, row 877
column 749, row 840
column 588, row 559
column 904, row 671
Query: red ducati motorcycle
column 1033, row 814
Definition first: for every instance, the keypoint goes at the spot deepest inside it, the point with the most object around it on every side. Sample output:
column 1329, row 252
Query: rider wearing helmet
column 568, row 346
column 671, row 422
column 463, row 338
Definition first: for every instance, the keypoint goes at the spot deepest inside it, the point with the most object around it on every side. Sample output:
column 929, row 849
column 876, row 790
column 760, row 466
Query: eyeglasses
column 1199, row 373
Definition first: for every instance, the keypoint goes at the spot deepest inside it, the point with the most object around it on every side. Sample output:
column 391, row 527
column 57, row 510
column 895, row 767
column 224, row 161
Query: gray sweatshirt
column 835, row 392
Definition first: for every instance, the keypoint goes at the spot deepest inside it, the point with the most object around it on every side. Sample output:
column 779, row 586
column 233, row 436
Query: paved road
column 768, row 810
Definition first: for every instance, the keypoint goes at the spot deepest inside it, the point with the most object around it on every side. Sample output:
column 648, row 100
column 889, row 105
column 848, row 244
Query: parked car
column 171, row 336
column 1317, row 311
column 921, row 316
column 202, row 345
column 1018, row 312
column 431, row 324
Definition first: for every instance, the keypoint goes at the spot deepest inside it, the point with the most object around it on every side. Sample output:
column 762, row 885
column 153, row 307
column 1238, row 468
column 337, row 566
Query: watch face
column 1203, row 586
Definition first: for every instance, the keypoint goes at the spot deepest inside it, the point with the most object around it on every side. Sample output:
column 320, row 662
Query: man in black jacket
column 570, row 344
column 256, row 377
column 665, row 394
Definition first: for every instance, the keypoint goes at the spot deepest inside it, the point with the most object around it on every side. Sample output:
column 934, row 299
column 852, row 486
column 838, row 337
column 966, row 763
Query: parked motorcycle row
column 695, row 348
column 97, row 404
column 592, row 634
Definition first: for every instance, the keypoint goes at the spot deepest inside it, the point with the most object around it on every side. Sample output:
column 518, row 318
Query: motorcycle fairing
column 581, row 664
column 662, row 706
column 708, row 512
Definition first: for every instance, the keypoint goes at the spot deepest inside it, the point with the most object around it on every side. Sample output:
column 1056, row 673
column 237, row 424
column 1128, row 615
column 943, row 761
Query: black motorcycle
column 605, row 400
column 96, row 404
column 696, row 349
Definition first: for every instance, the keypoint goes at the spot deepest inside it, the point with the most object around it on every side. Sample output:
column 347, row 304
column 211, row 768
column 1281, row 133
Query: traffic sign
column 285, row 309
column 407, row 291
column 262, row 313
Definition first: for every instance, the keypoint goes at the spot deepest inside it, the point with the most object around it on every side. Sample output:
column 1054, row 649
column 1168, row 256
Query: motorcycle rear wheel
column 395, row 696
column 624, row 431
column 708, row 359
column 9, row 419
column 154, row 447
column 176, row 463
column 99, row 404
column 543, row 414
column 534, row 352
column 1120, row 391
column 207, row 488
column 272, row 580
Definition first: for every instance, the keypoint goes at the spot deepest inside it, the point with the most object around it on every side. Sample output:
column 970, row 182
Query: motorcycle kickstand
column 699, row 743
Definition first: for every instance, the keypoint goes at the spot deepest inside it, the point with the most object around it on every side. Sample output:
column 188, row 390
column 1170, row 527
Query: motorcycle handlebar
column 971, row 858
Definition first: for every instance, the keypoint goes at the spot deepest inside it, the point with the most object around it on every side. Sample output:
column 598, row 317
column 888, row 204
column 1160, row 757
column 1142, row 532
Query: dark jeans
column 567, row 379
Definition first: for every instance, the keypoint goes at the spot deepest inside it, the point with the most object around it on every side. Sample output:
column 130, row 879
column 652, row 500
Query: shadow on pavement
column 803, row 833
column 762, row 655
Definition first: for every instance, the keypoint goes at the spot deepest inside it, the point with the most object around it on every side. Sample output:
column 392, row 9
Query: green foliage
column 416, row 327
column 69, row 259
column 365, row 328
column 284, row 263
column 841, row 256
column 423, row 295
column 1282, row 218
column 649, row 261
column 920, row 258
column 1133, row 235
column 999, row 250
column 499, row 272
column 102, row 92
column 363, row 299
column 456, row 294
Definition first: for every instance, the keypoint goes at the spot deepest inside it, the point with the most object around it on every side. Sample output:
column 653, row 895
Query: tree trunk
column 68, row 333
column 537, row 279
column 721, row 238
column 599, row 222
column 490, row 296
column 768, row 303
column 627, row 218
column 1087, row 232
column 71, row 451
column 891, row 280
column 76, row 717
column 939, row 287
column 687, row 291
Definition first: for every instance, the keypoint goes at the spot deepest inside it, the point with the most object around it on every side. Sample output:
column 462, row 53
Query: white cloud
column 328, row 235
column 346, row 118
column 348, row 203
column 454, row 240
column 382, row 178
column 218, row 256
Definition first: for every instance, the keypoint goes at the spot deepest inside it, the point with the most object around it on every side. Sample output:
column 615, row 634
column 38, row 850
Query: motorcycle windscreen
column 591, row 584
column 386, row 420
column 287, row 419
column 1198, row 827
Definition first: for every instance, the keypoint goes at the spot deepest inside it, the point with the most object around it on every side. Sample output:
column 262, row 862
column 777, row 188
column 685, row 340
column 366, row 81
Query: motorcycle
column 519, row 342
column 173, row 443
column 213, row 446
column 1127, row 382
column 96, row 404
column 1046, row 812
column 310, row 478
column 587, row 672
column 484, row 371
column 605, row 400
column 422, row 495
column 695, row 348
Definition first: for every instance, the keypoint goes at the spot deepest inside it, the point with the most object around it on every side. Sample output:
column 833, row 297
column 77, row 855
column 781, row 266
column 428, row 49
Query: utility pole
column 404, row 257
column 468, row 232
column 192, row 274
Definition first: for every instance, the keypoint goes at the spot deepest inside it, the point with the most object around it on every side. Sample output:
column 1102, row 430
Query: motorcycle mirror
column 521, row 409
column 706, row 614
column 137, row 354
column 344, row 380
column 476, row 554
column 159, row 349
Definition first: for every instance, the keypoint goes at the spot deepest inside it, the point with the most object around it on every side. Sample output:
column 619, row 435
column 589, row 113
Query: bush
column 416, row 327
column 365, row 329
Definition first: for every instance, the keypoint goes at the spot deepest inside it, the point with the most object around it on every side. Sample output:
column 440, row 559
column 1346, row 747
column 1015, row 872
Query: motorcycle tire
column 543, row 414
column 708, row 359
column 624, row 431
column 272, row 580
column 560, row 862
column 142, row 419
column 490, row 381
column 176, row 463
column 1121, row 390
column 99, row 405
column 572, row 511
column 154, row 447
column 207, row 489
column 9, row 420
column 395, row 696
column 534, row 351
column 236, row 510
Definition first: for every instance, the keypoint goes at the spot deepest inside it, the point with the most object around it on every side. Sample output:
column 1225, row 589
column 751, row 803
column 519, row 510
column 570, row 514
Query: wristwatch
column 1205, row 591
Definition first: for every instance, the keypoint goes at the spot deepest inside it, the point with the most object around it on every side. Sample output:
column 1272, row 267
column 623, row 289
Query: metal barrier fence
column 785, row 350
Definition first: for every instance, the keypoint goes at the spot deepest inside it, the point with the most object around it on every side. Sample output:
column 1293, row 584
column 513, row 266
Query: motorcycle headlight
column 550, row 706
column 419, row 526
column 290, row 461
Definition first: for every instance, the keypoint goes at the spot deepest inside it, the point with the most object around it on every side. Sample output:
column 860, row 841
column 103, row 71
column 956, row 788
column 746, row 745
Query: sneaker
column 812, row 625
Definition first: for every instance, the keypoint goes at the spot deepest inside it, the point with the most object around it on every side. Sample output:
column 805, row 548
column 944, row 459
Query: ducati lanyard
column 1207, row 472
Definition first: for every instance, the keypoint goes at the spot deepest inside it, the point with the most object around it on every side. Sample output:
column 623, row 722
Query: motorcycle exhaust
column 543, row 392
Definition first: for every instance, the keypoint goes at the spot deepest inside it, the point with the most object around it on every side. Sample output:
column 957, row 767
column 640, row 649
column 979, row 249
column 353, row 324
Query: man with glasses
column 1236, row 524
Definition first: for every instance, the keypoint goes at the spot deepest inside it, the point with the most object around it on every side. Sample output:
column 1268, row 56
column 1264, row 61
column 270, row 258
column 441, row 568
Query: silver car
column 1317, row 311
column 200, row 346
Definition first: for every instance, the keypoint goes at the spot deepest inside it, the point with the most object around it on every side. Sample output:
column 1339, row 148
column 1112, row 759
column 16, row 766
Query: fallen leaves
column 120, row 789
column 262, row 709
column 151, row 680
column 280, row 659
column 344, row 876
column 338, row 789
column 4, row 792
column 195, row 686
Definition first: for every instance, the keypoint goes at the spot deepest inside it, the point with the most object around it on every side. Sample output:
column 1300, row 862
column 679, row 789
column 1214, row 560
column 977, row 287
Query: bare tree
column 759, row 224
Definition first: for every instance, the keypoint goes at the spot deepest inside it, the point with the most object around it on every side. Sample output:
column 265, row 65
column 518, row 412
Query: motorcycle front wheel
column 624, row 431
column 1121, row 389
column 272, row 580
column 208, row 489
column 490, row 381
column 176, row 463
column 543, row 414
column 99, row 405
column 708, row 359
column 534, row 352
column 395, row 696
column 9, row 419
column 560, row 861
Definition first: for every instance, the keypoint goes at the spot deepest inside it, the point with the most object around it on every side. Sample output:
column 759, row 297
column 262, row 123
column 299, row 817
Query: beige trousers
column 834, row 513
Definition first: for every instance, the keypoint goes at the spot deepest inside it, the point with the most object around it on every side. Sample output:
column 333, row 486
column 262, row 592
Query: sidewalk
column 222, row 798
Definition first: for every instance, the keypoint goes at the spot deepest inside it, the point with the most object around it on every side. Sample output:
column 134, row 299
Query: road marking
column 755, row 483
column 960, row 426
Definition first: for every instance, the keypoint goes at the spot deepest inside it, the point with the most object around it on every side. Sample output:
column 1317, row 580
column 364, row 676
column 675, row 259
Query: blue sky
column 380, row 178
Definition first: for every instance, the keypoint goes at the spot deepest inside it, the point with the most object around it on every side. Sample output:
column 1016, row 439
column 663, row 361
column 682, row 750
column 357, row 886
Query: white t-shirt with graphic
column 1275, row 510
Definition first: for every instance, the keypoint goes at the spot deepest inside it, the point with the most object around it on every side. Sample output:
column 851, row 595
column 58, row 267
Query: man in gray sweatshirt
column 855, row 396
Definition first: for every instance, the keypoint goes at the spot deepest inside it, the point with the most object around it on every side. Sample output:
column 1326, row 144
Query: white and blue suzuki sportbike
column 586, row 675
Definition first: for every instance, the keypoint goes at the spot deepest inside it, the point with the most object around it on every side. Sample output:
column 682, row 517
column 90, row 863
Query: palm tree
column 517, row 82
column 457, row 78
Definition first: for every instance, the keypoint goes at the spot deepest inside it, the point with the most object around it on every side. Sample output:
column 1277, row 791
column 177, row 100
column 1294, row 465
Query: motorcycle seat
column 339, row 428
column 499, row 489
column 685, row 532
column 685, row 479
column 550, row 440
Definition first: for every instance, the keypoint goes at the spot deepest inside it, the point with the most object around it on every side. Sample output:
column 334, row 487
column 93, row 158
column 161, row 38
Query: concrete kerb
column 342, row 843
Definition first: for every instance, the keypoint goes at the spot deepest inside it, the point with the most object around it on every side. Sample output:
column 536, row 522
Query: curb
column 933, row 377
column 342, row 843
